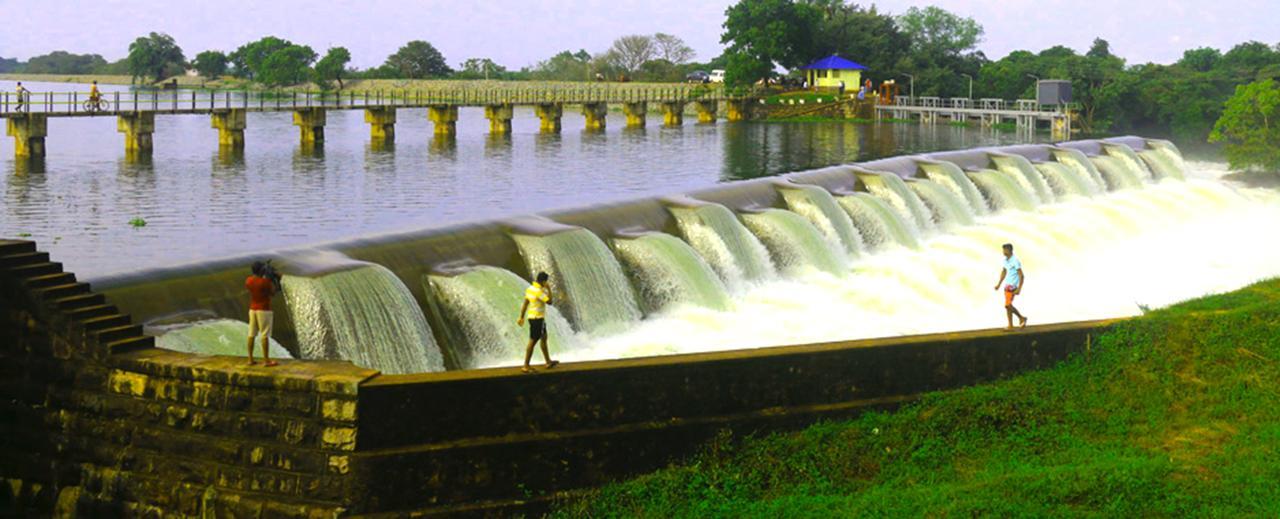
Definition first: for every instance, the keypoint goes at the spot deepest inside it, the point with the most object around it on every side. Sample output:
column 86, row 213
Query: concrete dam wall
column 101, row 423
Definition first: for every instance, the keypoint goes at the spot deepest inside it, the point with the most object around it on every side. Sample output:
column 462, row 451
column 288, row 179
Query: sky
column 516, row 33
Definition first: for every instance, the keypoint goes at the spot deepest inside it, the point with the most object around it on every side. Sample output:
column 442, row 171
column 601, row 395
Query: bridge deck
column 76, row 104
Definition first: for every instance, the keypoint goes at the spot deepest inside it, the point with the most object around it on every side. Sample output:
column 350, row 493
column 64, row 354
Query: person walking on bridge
column 536, row 299
column 1011, row 278
column 261, row 288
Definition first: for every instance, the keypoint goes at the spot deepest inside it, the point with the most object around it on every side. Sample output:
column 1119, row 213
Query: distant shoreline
column 350, row 85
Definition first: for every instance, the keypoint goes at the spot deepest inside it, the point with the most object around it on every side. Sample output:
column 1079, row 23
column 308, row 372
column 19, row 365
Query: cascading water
column 668, row 272
column 820, row 208
column 952, row 177
column 1065, row 180
column 1174, row 156
column 948, row 209
column 794, row 243
column 1162, row 164
column 364, row 315
column 1004, row 191
column 1021, row 170
column 1069, row 250
column 892, row 189
column 1078, row 161
column 482, row 305
column 1129, row 159
column 878, row 223
column 213, row 337
column 715, row 232
column 1117, row 174
column 587, row 282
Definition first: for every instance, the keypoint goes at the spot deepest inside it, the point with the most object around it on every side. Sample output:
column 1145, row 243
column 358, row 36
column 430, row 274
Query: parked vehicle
column 717, row 76
column 698, row 76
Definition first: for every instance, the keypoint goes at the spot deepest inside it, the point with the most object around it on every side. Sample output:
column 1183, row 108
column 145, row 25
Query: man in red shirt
column 261, row 288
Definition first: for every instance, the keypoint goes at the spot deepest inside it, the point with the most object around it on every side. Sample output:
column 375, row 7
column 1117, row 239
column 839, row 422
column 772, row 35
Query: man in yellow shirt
column 536, row 299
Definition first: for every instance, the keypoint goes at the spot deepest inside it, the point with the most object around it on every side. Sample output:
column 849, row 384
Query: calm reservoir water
column 79, row 200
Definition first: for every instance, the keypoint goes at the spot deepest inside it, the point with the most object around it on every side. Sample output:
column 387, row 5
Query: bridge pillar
column 737, row 111
column 137, row 128
column 28, row 132
column 445, row 118
column 636, row 112
column 673, row 113
column 550, row 114
column 382, row 123
column 707, row 111
column 310, row 123
column 596, row 113
column 499, row 117
column 230, row 124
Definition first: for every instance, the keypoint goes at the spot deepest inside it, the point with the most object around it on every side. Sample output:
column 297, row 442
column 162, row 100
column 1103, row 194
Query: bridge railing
column 936, row 103
column 185, row 101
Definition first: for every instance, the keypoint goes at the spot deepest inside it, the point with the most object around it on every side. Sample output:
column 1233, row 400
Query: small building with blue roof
column 830, row 71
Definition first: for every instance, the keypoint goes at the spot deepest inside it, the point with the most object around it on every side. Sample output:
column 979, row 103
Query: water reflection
column 229, row 158
column 444, row 145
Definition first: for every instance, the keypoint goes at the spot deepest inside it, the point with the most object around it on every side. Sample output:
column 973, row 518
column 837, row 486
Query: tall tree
column 332, row 66
column 937, row 31
column 247, row 59
column 210, row 64
column 942, row 48
column 1202, row 59
column 672, row 48
column 629, row 52
column 418, row 59
column 1250, row 127
column 287, row 66
column 861, row 34
column 155, row 55
column 764, row 34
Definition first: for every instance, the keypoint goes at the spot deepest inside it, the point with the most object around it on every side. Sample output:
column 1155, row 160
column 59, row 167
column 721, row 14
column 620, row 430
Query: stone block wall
column 93, row 431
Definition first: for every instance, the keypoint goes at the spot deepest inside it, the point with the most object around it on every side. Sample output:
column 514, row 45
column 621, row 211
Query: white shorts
column 259, row 323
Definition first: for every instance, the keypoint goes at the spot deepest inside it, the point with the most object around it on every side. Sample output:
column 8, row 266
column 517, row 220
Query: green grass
column 1175, row 413
column 1005, row 127
column 796, row 97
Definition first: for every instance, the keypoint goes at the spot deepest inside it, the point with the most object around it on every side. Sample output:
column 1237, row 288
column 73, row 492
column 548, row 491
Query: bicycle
column 96, row 105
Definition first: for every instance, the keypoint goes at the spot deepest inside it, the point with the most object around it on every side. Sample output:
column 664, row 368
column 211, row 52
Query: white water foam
column 1085, row 258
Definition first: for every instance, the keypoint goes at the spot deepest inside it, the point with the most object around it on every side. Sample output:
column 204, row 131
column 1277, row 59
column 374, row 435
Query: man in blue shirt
column 1011, row 278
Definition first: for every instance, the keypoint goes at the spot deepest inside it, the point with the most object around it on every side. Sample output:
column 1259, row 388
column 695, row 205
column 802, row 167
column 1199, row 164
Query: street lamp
column 913, row 87
column 970, row 85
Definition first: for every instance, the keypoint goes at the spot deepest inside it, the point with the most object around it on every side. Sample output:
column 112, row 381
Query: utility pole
column 913, row 87
column 970, row 85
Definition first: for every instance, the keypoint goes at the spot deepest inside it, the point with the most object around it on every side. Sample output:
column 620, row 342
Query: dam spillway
column 884, row 248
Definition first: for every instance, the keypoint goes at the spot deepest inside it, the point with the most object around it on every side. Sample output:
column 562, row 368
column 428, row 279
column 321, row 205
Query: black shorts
column 537, row 329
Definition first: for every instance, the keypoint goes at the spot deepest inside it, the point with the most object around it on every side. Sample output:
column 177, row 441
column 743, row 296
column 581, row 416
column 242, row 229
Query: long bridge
column 27, row 115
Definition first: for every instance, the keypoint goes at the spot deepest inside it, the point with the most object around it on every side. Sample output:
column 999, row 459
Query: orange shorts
column 1008, row 295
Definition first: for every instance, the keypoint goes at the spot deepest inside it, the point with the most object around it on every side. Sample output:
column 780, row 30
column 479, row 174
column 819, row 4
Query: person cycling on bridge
column 94, row 94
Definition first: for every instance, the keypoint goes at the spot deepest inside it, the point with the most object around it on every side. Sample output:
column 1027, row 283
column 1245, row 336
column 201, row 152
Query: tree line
column 937, row 51
column 272, row 61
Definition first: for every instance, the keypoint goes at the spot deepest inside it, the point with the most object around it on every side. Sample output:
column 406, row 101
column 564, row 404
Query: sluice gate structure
column 405, row 418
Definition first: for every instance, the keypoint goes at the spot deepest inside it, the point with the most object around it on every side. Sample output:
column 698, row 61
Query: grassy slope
column 1175, row 413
